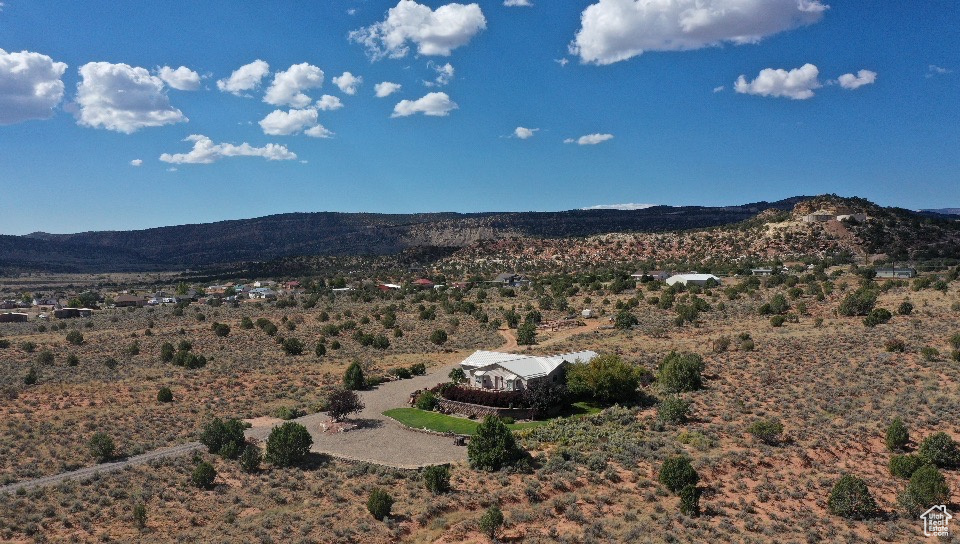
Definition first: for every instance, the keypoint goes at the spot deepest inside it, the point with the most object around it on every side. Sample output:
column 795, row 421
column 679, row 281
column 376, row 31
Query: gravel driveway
column 379, row 439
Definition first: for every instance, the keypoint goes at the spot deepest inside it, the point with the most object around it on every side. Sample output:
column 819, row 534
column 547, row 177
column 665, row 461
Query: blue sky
column 626, row 101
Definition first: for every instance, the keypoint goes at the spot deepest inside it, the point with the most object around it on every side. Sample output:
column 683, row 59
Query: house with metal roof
column 513, row 372
column 693, row 279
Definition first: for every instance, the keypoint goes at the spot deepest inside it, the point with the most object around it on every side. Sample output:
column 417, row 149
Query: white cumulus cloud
column 589, row 139
column 136, row 162
column 444, row 72
column 616, row 30
column 434, row 32
column 517, row 3
column 288, row 86
column 30, row 86
column 318, row 131
column 797, row 84
column 523, row 133
column 863, row 77
column 123, row 98
column 205, row 151
column 285, row 123
column 329, row 102
column 386, row 88
column 348, row 83
column 245, row 78
column 182, row 79
column 433, row 104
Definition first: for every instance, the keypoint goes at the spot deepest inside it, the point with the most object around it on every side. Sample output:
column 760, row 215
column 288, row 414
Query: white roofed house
column 693, row 279
column 513, row 372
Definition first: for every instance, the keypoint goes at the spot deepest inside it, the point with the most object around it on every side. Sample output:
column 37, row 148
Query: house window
column 510, row 386
column 498, row 382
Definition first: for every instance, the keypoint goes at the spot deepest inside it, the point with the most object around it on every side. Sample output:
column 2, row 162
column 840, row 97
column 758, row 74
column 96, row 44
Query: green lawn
column 435, row 421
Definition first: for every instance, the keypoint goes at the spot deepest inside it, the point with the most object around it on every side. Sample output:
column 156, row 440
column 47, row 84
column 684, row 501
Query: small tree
column 859, row 302
column 288, row 444
column 342, row 402
column 426, row 401
column 102, row 447
column 625, row 320
column 321, row 349
column 353, row 378
column 437, row 478
column 457, row 376
column 31, row 376
column 851, row 498
column 767, row 430
column 927, row 487
column 677, row 473
column 164, row 395
column 223, row 437
column 75, row 337
column 293, row 346
column 140, row 515
column 877, row 316
column 690, row 500
column 221, row 329
column 903, row 466
column 673, row 409
column 493, row 446
column 897, row 435
column 606, row 378
column 527, row 334
column 250, row 458
column 439, row 337
column 203, row 475
column 167, row 352
column 379, row 504
column 940, row 450
column 680, row 372
column 905, row 308
column 491, row 521
column 544, row 397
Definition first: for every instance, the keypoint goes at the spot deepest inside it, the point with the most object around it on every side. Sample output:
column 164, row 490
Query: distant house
column 423, row 283
column 126, row 300
column 46, row 302
column 68, row 313
column 264, row 283
column 819, row 216
column 8, row 305
column 658, row 275
column 761, row 271
column 388, row 286
column 858, row 217
column 511, row 279
column 13, row 317
column 262, row 293
column 291, row 285
column 693, row 279
column 512, row 372
column 899, row 273
column 587, row 313
column 461, row 285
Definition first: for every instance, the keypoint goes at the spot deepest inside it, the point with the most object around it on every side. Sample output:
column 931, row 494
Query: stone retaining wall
column 446, row 406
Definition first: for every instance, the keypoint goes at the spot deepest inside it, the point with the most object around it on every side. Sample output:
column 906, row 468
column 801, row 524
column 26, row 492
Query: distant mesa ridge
column 346, row 234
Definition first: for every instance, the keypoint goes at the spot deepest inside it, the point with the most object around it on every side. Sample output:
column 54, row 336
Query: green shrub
column 353, row 378
column 897, row 435
column 4, row 343
column 877, row 316
column 292, row 346
column 342, row 402
column 379, row 504
column 250, row 458
column 31, row 377
column 203, row 475
column 73, row 360
column 905, row 308
column 437, row 478
column 164, row 395
column 929, row 353
column 287, row 413
column 859, row 302
column 767, row 430
column 493, row 446
column 940, row 449
column 673, row 409
column 606, row 378
column 101, row 447
column 526, row 334
column 75, row 337
column 681, row 372
column 690, row 500
column 426, row 401
column 955, row 341
column 625, row 320
column 246, row 323
column 850, row 498
column 777, row 321
column 779, row 304
column 926, row 488
column 288, row 444
column 220, row 329
column 895, row 345
column 167, row 352
column 491, row 521
column 28, row 347
column 677, row 473
column 903, row 466
column 223, row 437
column 457, row 375
column 418, row 369
column 439, row 337
column 140, row 515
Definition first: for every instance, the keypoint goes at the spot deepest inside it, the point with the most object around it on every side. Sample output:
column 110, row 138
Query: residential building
column 513, row 372
column 693, row 279
column 895, row 272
